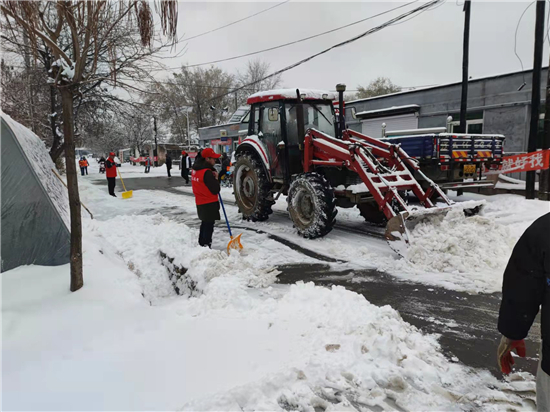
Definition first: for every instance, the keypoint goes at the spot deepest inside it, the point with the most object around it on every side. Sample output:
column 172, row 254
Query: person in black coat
column 204, row 180
column 185, row 164
column 526, row 287
column 225, row 166
column 168, row 164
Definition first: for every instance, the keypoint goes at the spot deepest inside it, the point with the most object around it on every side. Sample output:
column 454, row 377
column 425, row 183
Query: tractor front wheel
column 251, row 186
column 312, row 205
column 372, row 213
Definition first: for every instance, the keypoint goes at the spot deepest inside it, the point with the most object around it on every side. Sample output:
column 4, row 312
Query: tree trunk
column 77, row 280
column 57, row 146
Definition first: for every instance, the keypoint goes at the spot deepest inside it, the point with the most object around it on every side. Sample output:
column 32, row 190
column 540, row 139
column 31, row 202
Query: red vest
column 111, row 171
column 202, row 194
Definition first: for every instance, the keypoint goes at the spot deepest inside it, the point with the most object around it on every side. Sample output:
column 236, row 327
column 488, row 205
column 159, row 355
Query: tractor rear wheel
column 372, row 213
column 251, row 186
column 312, row 205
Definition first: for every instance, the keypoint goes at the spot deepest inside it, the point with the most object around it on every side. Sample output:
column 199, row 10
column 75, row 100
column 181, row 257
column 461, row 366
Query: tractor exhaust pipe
column 300, row 116
column 341, row 88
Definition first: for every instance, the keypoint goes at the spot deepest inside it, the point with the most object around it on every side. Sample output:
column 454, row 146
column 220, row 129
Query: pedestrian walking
column 168, row 164
column 110, row 166
column 83, row 163
column 526, row 287
column 225, row 167
column 204, row 180
column 185, row 165
column 147, row 164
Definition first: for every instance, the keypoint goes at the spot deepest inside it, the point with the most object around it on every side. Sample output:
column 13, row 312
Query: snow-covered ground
column 224, row 335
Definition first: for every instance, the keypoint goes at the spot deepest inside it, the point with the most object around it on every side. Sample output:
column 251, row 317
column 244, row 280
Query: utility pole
column 544, row 181
column 535, row 94
column 155, row 152
column 465, row 64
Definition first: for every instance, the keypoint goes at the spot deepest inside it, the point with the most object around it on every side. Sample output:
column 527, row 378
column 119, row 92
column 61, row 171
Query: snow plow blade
column 399, row 228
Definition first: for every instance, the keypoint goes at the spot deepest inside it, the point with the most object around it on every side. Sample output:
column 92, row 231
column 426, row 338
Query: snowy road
column 466, row 322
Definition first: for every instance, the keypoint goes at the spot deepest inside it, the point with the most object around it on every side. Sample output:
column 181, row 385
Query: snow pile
column 232, row 348
column 455, row 243
column 143, row 240
column 354, row 355
column 35, row 151
column 239, row 343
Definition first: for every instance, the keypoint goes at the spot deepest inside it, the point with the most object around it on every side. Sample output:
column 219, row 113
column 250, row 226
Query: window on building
column 540, row 131
column 474, row 123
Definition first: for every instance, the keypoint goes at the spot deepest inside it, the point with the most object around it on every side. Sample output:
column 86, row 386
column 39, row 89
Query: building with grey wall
column 225, row 137
column 495, row 106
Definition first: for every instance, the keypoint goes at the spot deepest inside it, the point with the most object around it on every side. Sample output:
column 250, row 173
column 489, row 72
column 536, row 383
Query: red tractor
column 298, row 147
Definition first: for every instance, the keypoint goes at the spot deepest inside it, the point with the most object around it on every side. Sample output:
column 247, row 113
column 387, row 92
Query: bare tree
column 88, row 27
column 204, row 91
column 378, row 87
column 254, row 72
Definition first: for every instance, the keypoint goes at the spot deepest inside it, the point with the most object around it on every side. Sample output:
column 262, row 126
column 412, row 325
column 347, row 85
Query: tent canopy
column 35, row 207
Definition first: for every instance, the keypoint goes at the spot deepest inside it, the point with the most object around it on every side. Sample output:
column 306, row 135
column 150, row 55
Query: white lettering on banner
column 534, row 160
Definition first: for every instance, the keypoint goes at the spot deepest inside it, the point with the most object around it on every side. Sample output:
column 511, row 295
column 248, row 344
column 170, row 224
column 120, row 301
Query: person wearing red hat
column 204, row 180
column 110, row 166
column 185, row 165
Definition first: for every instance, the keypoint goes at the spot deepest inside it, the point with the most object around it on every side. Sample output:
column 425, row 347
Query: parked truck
column 453, row 160
column 296, row 146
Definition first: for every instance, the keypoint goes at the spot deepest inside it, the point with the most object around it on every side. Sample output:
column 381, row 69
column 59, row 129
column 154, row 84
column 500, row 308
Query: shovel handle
column 120, row 176
column 225, row 214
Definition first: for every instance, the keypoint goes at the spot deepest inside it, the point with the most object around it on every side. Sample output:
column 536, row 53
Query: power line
column 516, row 41
column 297, row 41
column 235, row 22
column 351, row 40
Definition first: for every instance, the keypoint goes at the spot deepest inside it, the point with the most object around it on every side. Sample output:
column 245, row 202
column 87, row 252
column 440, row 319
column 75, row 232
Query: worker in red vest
column 110, row 166
column 204, row 180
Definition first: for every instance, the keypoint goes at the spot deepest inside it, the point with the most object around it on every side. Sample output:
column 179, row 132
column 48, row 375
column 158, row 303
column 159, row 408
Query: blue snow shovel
column 235, row 242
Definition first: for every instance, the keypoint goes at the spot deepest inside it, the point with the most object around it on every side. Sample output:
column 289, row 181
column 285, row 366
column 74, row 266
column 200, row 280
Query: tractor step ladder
column 384, row 168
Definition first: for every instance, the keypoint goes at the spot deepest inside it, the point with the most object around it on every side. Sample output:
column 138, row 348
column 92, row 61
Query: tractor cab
column 278, row 122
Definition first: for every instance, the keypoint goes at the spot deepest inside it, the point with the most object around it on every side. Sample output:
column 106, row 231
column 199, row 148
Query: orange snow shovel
column 235, row 242
column 127, row 194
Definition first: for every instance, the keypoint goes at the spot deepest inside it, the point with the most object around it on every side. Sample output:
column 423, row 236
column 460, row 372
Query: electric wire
column 299, row 40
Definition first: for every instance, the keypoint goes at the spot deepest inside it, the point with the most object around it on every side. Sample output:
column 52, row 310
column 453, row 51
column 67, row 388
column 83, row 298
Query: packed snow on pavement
column 452, row 251
column 195, row 329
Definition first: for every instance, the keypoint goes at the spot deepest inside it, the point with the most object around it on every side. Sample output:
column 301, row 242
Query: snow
column 509, row 183
column 233, row 346
column 291, row 94
column 387, row 109
column 41, row 164
column 235, row 340
column 469, row 255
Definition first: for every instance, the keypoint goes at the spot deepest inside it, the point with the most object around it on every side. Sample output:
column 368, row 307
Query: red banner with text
column 523, row 162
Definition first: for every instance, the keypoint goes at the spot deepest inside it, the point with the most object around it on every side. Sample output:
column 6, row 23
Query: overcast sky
column 424, row 50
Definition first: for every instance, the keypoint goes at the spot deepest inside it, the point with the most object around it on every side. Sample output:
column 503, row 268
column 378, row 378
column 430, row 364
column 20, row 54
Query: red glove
column 504, row 355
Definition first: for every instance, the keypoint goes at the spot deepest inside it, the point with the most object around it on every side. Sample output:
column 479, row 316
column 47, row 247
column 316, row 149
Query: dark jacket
column 526, row 287
column 208, row 212
column 225, row 164
column 168, row 162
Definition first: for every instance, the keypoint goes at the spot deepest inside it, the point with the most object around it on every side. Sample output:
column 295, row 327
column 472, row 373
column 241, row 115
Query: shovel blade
column 235, row 244
column 399, row 227
column 128, row 194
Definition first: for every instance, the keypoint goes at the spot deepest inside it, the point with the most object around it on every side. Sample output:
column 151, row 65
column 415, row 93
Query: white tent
column 35, row 207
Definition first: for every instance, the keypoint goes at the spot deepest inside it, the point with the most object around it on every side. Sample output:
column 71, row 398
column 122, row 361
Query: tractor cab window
column 256, row 125
column 317, row 116
column 271, row 127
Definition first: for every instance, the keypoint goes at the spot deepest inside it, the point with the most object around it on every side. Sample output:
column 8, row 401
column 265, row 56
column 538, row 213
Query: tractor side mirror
column 273, row 114
column 354, row 113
